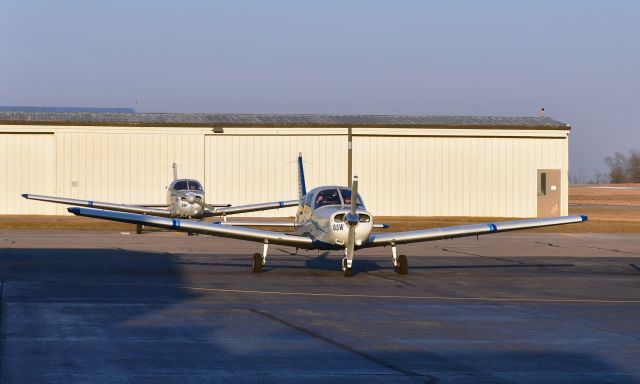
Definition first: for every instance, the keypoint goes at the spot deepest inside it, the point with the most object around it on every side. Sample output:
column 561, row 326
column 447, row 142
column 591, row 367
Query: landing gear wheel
column 257, row 263
column 401, row 267
column 346, row 271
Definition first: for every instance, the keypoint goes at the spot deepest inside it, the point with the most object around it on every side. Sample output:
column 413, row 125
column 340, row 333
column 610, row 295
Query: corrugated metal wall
column 133, row 168
column 250, row 169
column 26, row 166
column 447, row 173
column 455, row 176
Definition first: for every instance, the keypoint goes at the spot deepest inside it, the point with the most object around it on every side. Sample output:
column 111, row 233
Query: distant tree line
column 624, row 168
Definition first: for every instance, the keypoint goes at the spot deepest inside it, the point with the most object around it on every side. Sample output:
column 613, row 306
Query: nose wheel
column 346, row 270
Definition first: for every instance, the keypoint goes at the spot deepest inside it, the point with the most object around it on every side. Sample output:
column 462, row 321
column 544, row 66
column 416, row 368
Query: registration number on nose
column 338, row 227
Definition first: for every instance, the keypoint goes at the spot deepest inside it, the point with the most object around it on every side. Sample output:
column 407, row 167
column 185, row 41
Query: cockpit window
column 346, row 197
column 180, row 185
column 327, row 197
column 187, row 185
column 308, row 199
column 194, row 186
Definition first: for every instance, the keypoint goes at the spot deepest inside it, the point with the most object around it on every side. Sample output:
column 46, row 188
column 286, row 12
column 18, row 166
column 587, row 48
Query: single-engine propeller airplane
column 328, row 218
column 185, row 199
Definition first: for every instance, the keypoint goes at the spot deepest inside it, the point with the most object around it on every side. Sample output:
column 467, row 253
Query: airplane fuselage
column 182, row 199
column 327, row 224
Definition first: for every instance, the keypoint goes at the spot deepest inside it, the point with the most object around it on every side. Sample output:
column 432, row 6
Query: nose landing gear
column 346, row 268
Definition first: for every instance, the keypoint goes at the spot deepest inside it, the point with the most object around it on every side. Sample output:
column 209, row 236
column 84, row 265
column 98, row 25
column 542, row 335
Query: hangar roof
column 269, row 120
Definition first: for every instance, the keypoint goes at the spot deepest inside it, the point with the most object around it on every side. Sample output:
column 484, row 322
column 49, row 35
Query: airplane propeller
column 352, row 219
column 191, row 198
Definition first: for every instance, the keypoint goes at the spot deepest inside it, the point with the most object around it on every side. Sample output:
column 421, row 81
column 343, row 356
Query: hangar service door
column 27, row 165
column 549, row 192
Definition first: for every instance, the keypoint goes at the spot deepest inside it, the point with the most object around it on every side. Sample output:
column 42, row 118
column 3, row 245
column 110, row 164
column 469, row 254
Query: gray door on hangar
column 549, row 192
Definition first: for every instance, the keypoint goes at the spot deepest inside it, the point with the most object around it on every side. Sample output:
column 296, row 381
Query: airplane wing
column 259, row 223
column 212, row 229
column 263, row 223
column 142, row 209
column 223, row 211
column 390, row 238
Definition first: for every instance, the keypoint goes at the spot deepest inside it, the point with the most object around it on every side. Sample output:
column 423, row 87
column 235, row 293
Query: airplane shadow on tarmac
column 326, row 261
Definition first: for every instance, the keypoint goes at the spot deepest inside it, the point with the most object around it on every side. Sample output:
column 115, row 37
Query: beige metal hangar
column 407, row 165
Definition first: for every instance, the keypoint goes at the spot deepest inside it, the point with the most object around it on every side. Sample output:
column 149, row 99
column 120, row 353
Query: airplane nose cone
column 191, row 198
column 352, row 218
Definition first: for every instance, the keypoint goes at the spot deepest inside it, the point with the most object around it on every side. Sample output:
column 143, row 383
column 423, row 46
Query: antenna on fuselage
column 175, row 171
column 302, row 186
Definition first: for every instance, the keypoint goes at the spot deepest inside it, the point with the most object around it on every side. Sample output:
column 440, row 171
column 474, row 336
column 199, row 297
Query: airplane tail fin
column 302, row 187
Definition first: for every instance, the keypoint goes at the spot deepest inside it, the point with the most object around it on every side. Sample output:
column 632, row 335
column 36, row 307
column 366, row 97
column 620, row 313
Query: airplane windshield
column 194, row 186
column 327, row 197
column 187, row 185
column 346, row 197
column 180, row 185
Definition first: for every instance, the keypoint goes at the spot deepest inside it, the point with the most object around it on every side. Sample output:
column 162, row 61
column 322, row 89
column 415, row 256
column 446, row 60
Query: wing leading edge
column 250, row 234
column 383, row 239
column 142, row 209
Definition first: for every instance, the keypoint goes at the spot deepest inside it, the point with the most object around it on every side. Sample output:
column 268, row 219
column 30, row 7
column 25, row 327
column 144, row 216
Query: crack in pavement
column 570, row 322
column 429, row 378
column 485, row 257
column 399, row 281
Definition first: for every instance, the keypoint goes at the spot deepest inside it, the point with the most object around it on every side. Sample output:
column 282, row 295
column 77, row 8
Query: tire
column 402, row 267
column 347, row 272
column 257, row 263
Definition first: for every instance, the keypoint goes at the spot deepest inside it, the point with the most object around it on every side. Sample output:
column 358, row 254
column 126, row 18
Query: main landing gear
column 260, row 260
column 399, row 262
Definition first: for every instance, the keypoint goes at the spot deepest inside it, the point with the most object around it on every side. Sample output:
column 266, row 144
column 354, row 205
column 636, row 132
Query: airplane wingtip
column 25, row 195
column 584, row 217
column 74, row 210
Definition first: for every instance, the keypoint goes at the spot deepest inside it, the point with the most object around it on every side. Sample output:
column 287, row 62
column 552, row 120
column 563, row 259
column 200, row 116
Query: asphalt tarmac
column 106, row 307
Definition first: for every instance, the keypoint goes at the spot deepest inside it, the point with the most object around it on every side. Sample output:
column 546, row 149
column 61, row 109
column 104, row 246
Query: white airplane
column 328, row 218
column 185, row 199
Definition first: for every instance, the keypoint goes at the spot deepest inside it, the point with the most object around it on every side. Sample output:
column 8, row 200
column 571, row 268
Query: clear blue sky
column 580, row 59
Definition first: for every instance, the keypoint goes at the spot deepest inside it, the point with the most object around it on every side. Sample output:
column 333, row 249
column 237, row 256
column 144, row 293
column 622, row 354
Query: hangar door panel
column 253, row 169
column 132, row 168
column 27, row 167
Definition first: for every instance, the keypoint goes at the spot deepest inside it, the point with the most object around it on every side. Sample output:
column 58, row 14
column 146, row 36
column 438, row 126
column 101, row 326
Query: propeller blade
column 354, row 194
column 211, row 207
column 350, row 246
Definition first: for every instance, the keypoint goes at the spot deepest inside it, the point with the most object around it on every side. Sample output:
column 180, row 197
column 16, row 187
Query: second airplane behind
column 185, row 200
